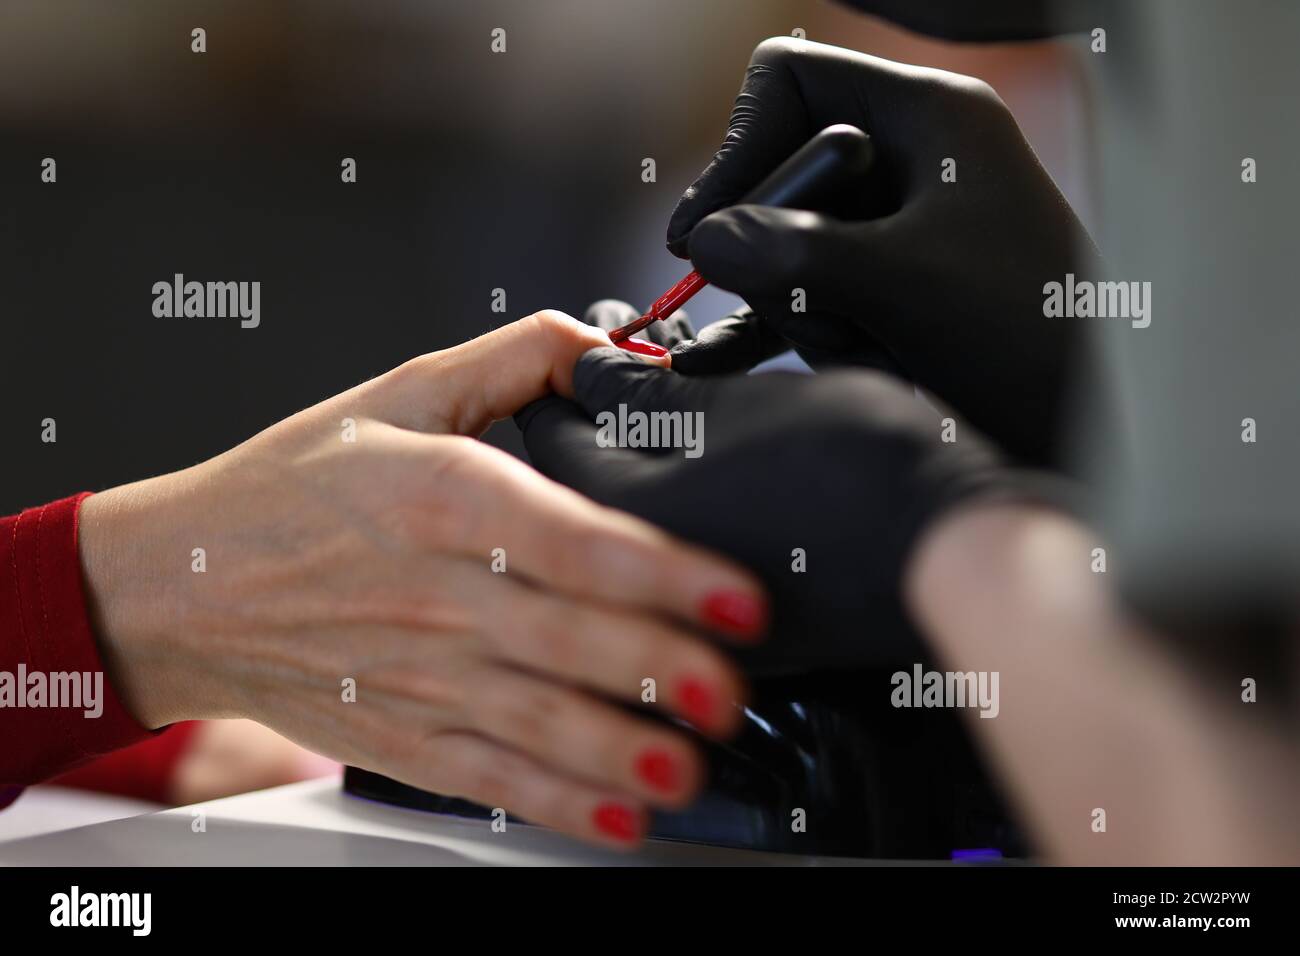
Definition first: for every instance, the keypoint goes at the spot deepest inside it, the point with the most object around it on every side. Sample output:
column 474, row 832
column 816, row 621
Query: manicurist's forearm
column 1095, row 714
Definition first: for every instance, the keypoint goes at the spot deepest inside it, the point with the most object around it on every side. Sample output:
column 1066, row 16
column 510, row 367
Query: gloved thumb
column 784, row 255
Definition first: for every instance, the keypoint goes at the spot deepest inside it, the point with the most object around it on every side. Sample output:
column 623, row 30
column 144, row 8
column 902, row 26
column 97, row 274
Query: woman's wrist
column 133, row 604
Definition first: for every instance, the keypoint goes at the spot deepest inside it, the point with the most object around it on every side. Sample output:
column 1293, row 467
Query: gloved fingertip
column 679, row 244
column 699, row 357
column 686, row 359
column 720, row 246
column 686, row 214
column 759, row 251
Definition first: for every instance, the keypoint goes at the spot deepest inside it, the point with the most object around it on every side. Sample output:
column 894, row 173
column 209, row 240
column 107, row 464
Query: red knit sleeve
column 57, row 708
column 144, row 770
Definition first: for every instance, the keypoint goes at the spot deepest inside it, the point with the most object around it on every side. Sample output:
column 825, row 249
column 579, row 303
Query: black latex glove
column 848, row 466
column 989, row 20
column 947, row 276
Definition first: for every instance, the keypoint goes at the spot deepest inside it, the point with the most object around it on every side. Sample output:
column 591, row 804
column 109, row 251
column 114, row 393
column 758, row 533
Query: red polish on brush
column 831, row 163
column 664, row 306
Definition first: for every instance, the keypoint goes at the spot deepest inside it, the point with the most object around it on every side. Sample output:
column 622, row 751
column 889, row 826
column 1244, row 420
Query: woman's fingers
column 616, row 652
column 465, row 389
column 569, row 731
column 488, row 773
column 562, row 541
column 624, row 655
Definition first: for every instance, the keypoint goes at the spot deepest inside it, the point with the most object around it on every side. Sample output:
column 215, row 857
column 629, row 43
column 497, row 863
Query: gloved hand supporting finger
column 605, row 379
column 734, row 344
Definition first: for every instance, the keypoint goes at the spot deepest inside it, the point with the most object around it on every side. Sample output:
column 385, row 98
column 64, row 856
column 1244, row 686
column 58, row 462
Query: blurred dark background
column 476, row 170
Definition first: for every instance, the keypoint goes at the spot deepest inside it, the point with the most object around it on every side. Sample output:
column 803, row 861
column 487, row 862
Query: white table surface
column 315, row 824
column 44, row 809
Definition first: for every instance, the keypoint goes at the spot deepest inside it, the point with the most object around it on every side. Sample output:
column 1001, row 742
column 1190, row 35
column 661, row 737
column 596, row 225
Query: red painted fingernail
column 734, row 612
column 617, row 821
column 659, row 769
column 698, row 701
column 642, row 347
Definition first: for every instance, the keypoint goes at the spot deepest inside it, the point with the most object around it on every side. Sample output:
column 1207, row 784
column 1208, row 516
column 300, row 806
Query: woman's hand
column 376, row 586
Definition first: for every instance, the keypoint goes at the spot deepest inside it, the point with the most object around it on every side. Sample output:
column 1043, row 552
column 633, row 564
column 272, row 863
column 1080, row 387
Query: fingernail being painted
column 642, row 347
